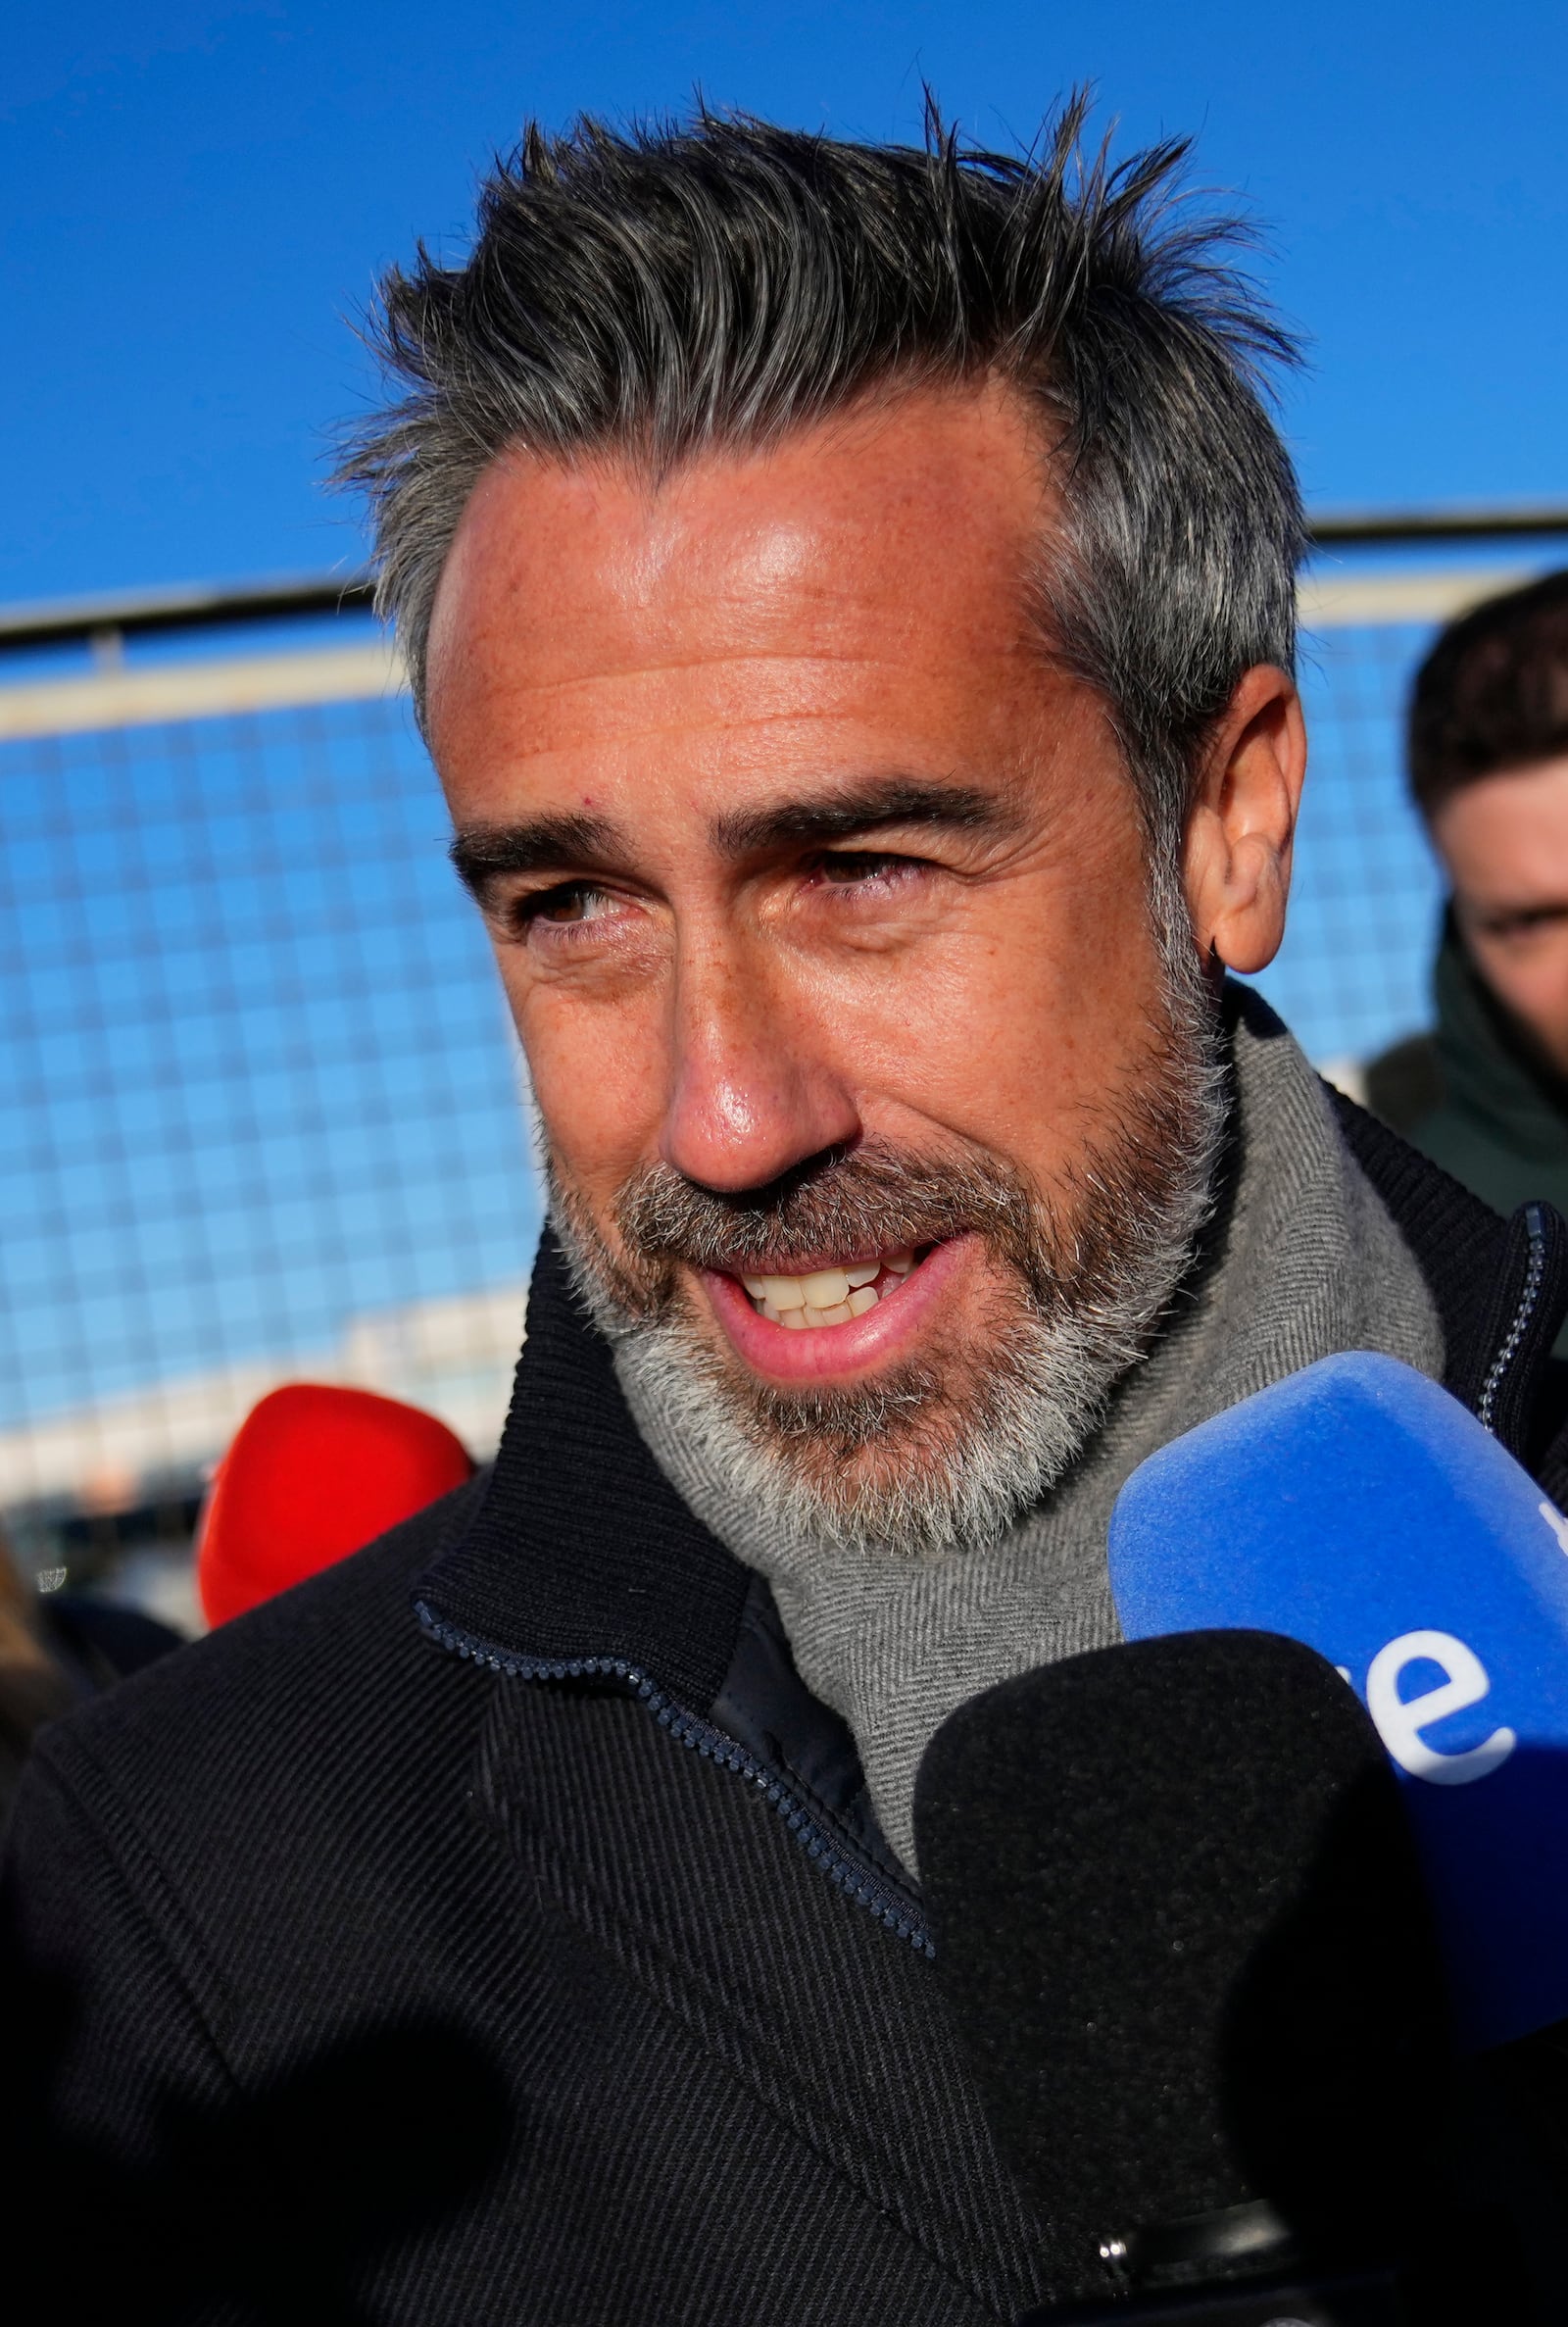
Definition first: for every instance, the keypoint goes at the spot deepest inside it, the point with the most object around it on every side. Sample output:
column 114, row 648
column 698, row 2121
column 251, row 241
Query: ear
column 1237, row 860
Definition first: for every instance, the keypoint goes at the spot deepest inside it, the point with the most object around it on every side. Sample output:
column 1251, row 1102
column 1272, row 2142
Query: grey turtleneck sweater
column 1303, row 1261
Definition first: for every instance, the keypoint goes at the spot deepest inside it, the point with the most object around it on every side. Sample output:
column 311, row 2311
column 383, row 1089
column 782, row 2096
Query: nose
column 753, row 1091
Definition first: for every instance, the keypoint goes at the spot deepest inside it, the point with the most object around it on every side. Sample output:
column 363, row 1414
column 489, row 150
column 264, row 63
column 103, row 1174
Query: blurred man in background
column 1485, row 1093
column 58, row 1650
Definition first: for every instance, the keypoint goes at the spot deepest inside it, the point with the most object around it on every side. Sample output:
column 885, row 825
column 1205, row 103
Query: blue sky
column 199, row 195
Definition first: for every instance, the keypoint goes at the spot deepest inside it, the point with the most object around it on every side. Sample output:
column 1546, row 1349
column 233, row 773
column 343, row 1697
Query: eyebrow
column 1548, row 909
column 485, row 853
column 868, row 807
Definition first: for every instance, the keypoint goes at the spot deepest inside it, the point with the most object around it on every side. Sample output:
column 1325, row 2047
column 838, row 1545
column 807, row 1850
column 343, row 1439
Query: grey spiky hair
column 655, row 291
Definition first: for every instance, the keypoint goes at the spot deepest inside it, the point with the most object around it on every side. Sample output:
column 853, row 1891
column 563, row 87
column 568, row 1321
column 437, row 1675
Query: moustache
column 871, row 1200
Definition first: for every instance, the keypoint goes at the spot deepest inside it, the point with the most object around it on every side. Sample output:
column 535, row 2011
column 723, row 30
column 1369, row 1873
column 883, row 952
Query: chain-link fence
column 263, row 1117
column 263, row 1112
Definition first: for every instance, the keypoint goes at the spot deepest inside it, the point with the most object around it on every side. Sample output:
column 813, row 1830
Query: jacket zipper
column 1534, row 1273
column 853, row 1876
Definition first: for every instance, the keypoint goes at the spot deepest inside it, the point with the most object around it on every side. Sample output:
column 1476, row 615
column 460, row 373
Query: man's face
column 1504, row 842
column 820, row 900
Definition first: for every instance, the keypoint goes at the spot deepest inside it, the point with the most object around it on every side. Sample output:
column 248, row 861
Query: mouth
column 832, row 1296
column 839, row 1318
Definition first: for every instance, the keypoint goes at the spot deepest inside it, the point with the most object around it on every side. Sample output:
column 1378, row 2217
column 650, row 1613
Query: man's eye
column 572, row 902
column 1520, row 928
column 845, row 868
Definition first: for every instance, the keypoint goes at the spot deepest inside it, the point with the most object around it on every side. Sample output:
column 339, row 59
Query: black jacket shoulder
column 1500, row 1287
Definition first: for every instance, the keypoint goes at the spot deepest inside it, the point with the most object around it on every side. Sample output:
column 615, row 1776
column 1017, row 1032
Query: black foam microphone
column 1181, row 1928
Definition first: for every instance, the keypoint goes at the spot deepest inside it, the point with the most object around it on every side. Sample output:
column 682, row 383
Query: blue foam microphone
column 1360, row 1508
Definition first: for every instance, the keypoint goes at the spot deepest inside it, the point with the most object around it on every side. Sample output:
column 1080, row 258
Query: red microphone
column 313, row 1474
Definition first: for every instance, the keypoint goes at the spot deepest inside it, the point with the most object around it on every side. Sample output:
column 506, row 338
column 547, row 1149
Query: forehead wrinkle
column 823, row 654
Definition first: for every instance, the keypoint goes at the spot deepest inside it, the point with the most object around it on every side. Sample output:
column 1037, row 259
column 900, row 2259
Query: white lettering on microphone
column 1402, row 1720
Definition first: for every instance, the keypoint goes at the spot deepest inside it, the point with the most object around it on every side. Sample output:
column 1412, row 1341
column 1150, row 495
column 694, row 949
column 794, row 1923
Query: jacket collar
column 581, row 1551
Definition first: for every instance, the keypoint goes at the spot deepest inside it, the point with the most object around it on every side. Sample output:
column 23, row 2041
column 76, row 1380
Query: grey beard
column 949, row 1452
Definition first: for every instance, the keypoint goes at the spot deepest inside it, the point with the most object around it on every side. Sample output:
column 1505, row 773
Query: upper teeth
column 828, row 1296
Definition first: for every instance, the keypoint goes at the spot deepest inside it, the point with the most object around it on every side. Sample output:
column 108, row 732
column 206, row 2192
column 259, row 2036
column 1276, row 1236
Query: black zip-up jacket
column 494, row 1929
